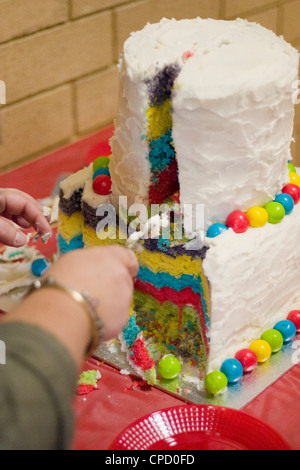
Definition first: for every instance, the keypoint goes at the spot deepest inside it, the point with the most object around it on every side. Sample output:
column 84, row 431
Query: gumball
column 286, row 201
column 291, row 168
column 233, row 370
column 257, row 216
column 294, row 317
column 169, row 367
column 216, row 230
column 101, row 171
column 102, row 185
column 274, row 338
column 238, row 221
column 275, row 212
column 100, row 162
column 294, row 178
column 261, row 349
column 247, row 358
column 215, row 382
column 287, row 329
column 293, row 190
column 39, row 266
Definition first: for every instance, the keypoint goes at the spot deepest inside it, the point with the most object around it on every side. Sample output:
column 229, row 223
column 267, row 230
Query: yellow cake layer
column 158, row 261
column 90, row 238
column 70, row 226
column 159, row 120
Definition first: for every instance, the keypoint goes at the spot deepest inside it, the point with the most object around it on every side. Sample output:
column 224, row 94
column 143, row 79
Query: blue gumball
column 215, row 230
column 101, row 171
column 287, row 329
column 233, row 370
column 39, row 266
column 286, row 201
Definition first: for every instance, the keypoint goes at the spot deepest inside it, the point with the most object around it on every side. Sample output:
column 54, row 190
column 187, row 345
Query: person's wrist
column 58, row 315
column 82, row 299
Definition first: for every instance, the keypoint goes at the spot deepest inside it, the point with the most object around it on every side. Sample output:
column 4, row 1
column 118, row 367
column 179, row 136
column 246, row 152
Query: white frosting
column 232, row 112
column 75, row 181
column 254, row 281
column 129, row 167
column 15, row 268
column 83, row 179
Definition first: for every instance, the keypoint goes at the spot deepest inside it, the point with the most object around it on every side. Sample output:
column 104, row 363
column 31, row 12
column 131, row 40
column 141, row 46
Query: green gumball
column 275, row 212
column 274, row 338
column 291, row 168
column 100, row 162
column 215, row 382
column 169, row 367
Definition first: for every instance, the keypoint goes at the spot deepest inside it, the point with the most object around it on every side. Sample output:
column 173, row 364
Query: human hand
column 106, row 273
column 22, row 209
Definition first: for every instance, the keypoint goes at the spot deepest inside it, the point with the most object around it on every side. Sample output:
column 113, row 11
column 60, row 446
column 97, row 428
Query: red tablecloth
column 120, row 400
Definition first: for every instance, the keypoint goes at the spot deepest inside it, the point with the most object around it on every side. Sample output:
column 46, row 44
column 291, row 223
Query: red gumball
column 238, row 221
column 102, row 185
column 294, row 317
column 293, row 190
column 247, row 358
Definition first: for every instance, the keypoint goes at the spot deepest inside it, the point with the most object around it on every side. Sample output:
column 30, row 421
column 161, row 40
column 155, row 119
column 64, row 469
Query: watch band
column 83, row 299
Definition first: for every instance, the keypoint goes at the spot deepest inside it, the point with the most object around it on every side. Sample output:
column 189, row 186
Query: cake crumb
column 88, row 381
column 136, row 384
column 124, row 372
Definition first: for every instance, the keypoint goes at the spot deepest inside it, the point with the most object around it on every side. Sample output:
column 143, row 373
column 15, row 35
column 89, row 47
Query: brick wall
column 59, row 58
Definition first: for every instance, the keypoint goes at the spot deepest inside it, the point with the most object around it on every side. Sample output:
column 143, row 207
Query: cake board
column 189, row 387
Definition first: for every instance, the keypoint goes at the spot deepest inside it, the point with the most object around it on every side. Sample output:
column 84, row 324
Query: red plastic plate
column 199, row 427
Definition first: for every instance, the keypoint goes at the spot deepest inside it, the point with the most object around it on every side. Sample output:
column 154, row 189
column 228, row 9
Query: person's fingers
column 14, row 203
column 21, row 221
column 10, row 235
column 127, row 257
column 13, row 194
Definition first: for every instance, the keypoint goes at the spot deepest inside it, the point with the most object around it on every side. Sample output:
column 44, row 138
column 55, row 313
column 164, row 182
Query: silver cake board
column 190, row 388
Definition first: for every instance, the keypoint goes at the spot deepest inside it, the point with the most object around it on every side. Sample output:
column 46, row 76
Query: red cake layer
column 140, row 355
column 167, row 184
column 184, row 297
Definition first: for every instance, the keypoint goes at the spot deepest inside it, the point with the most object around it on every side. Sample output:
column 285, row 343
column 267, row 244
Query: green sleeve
column 37, row 384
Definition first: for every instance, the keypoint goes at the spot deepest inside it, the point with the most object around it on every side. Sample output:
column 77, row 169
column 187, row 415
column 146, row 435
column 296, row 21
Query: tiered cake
column 205, row 120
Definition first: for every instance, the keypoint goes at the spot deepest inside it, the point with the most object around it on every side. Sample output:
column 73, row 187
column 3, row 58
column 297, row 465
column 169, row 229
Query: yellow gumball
column 261, row 349
column 258, row 216
column 294, row 178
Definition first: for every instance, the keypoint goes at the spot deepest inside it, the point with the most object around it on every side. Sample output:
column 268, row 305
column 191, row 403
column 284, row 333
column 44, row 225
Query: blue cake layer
column 162, row 152
column 74, row 244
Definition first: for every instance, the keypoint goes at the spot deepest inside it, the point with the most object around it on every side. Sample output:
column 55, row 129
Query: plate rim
column 117, row 445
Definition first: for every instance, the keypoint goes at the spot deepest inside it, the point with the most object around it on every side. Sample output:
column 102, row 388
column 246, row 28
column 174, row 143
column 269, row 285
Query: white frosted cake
column 205, row 119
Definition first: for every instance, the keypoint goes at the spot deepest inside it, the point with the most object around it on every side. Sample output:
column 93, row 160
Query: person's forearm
column 37, row 386
column 58, row 314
